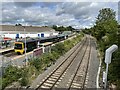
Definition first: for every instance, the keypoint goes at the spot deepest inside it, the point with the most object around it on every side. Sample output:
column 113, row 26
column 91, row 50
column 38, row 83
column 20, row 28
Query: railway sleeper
column 57, row 73
column 44, row 87
column 73, row 86
column 49, row 81
column 55, row 77
column 47, row 84
column 52, row 79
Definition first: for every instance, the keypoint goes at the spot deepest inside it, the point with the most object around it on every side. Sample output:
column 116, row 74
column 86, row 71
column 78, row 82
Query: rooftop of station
column 13, row 28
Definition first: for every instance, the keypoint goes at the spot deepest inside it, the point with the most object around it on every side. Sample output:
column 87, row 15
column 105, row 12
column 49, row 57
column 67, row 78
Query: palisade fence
column 6, row 61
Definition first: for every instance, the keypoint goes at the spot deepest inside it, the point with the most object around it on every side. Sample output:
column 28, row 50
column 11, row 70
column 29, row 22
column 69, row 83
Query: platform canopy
column 7, row 39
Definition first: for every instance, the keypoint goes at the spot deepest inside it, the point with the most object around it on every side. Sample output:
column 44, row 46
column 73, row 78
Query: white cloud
column 59, row 1
column 78, row 15
column 93, row 4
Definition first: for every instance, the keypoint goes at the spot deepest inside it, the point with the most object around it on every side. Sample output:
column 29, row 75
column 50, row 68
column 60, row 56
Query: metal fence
column 20, row 61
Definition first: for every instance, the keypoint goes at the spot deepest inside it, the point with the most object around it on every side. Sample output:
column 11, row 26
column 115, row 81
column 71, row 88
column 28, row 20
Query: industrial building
column 28, row 31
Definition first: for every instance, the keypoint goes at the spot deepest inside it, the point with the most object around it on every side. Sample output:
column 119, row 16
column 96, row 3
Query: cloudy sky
column 75, row 14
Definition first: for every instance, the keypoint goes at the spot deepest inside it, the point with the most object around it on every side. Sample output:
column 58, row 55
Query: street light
column 25, row 47
column 15, row 32
column 108, row 55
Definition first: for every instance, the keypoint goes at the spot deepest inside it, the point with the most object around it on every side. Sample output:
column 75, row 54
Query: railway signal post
column 108, row 55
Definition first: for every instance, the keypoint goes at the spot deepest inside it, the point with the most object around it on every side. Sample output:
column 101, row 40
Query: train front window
column 18, row 46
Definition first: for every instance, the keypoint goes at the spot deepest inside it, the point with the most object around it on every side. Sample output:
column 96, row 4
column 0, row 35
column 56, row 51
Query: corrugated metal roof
column 27, row 28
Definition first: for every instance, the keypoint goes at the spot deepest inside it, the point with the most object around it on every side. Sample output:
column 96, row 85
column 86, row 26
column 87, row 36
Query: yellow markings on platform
column 20, row 56
column 46, row 44
column 7, row 49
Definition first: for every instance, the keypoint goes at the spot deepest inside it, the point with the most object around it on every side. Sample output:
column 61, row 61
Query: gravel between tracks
column 36, row 82
column 92, row 69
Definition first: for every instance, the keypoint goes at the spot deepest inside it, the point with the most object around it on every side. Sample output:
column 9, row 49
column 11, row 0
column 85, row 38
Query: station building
column 14, row 32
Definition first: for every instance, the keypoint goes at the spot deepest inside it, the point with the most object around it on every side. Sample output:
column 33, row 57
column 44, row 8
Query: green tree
column 69, row 28
column 18, row 24
column 105, row 23
column 62, row 28
column 104, row 15
column 54, row 27
column 107, row 32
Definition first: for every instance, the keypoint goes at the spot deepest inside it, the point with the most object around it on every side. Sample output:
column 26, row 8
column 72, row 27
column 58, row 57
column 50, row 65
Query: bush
column 11, row 74
column 59, row 48
column 24, row 81
column 24, row 77
column 37, row 63
column 46, row 59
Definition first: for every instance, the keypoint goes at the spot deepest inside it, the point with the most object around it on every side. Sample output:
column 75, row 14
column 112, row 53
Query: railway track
column 10, row 54
column 79, row 77
column 52, row 80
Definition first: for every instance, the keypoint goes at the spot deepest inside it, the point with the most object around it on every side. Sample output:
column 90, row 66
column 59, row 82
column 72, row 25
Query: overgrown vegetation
column 61, row 28
column 47, row 59
column 107, row 32
column 11, row 74
column 37, row 65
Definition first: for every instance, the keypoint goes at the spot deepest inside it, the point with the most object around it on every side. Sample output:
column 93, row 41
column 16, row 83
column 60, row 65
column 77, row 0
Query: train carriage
column 19, row 46
column 32, row 44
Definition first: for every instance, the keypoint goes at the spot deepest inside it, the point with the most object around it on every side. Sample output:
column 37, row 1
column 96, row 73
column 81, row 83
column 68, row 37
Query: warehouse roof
column 12, row 28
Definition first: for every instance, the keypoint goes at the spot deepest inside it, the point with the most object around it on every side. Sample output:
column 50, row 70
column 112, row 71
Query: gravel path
column 93, row 67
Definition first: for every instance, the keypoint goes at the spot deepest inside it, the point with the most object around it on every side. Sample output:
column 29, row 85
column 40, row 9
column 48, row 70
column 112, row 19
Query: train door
column 42, row 34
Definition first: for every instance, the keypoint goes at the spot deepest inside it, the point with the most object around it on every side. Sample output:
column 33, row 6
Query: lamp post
column 15, row 32
column 0, row 40
column 25, row 47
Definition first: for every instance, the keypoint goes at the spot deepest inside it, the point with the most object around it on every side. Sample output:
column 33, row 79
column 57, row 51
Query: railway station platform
column 6, row 50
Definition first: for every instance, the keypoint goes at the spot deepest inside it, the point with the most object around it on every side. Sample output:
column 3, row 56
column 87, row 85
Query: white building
column 28, row 31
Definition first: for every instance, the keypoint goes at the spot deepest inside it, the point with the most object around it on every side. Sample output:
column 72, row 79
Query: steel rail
column 61, row 65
